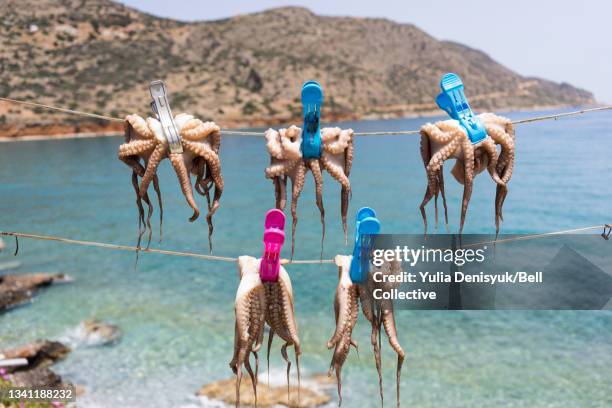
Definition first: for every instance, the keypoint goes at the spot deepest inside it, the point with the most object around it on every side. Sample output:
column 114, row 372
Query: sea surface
column 176, row 313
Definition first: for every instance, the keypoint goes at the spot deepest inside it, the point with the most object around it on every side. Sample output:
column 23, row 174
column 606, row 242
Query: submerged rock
column 311, row 394
column 93, row 332
column 18, row 289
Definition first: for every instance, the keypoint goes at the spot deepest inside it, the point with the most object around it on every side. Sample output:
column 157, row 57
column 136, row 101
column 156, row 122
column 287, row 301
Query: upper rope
column 261, row 134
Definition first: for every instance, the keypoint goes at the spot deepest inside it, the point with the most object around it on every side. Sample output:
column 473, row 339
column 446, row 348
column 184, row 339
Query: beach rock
column 267, row 397
column 36, row 377
column 41, row 353
column 93, row 332
column 18, row 289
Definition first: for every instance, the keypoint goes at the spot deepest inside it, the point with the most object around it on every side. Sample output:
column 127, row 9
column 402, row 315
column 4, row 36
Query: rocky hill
column 99, row 56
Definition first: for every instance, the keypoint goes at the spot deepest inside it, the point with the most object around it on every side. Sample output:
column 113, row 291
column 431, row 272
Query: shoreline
column 428, row 114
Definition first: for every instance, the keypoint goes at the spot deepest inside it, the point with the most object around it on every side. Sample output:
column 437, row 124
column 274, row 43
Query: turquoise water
column 176, row 313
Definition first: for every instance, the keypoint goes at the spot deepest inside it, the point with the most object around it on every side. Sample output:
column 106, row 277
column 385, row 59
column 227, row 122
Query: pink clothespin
column 274, row 238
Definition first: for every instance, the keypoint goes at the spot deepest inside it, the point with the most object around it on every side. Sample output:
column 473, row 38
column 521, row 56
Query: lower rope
column 17, row 235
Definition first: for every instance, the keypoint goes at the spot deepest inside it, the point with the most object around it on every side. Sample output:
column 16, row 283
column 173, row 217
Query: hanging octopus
column 378, row 312
column 280, row 317
column 286, row 161
column 146, row 146
column 447, row 139
column 250, row 310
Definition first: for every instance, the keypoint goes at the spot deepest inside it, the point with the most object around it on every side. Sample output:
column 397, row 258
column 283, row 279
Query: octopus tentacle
column 468, row 162
column 280, row 316
column 346, row 309
column 136, row 147
column 340, row 171
column 434, row 168
column 141, row 213
column 391, row 331
column 315, row 168
column 213, row 166
column 152, row 164
column 488, row 146
column 181, row 171
column 501, row 131
column 335, row 169
column 280, row 168
column 196, row 130
column 210, row 156
column 345, row 194
column 140, row 126
column 297, row 185
column 161, row 206
column 441, row 187
column 436, row 132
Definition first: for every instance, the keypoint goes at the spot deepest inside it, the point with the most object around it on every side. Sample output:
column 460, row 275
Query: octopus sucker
column 286, row 161
column 447, row 139
column 250, row 311
column 145, row 143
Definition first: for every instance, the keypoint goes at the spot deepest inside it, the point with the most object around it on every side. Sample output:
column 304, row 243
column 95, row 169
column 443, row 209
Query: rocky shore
column 36, row 373
column 20, row 288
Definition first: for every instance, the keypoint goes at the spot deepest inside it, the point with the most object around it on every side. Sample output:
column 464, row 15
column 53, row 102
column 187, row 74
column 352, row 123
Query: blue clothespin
column 366, row 225
column 312, row 98
column 453, row 101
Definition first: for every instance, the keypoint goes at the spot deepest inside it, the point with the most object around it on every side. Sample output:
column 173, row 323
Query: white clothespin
column 161, row 107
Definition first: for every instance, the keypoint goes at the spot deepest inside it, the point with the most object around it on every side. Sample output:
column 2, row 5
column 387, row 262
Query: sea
column 176, row 313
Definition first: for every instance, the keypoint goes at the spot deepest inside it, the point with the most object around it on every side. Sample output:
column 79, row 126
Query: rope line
column 259, row 134
column 65, row 110
column 283, row 261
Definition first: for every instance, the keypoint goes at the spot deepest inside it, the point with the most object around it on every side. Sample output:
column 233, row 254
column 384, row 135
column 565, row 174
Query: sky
column 560, row 40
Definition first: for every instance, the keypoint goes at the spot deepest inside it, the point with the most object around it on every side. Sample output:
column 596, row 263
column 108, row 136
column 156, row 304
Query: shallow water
column 176, row 313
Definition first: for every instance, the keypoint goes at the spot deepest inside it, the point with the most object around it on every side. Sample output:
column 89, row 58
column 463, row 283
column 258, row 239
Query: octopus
column 286, row 161
column 447, row 139
column 280, row 317
column 257, row 304
column 146, row 146
column 378, row 312
column 250, row 311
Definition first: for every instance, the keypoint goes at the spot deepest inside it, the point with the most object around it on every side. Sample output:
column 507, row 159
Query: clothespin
column 274, row 238
column 312, row 98
column 606, row 232
column 366, row 225
column 452, row 100
column 161, row 107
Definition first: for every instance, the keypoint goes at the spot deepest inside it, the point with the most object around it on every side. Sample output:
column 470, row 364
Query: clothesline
column 260, row 134
column 606, row 234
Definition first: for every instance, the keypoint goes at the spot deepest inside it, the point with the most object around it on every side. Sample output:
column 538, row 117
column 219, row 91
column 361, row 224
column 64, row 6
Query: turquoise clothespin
column 312, row 98
column 366, row 225
column 452, row 100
